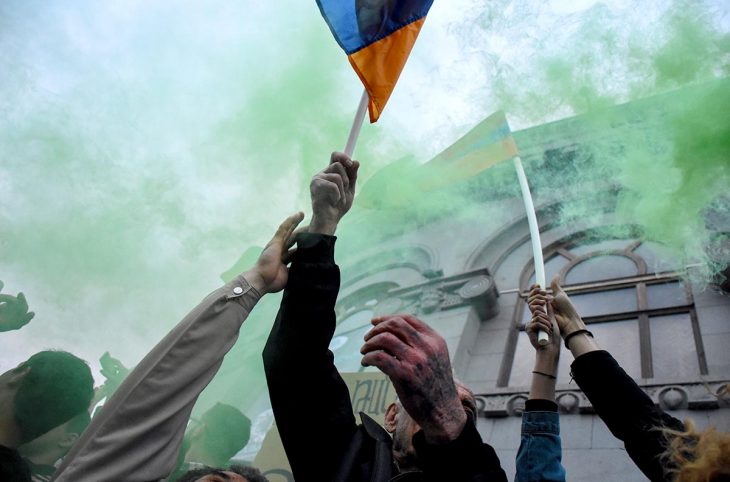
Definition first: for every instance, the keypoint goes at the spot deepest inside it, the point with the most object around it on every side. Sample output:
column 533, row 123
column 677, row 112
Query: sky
column 145, row 145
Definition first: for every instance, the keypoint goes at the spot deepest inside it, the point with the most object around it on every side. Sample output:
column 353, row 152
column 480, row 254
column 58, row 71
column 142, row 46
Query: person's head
column 55, row 444
column 48, row 389
column 222, row 431
column 235, row 473
column 698, row 456
column 402, row 427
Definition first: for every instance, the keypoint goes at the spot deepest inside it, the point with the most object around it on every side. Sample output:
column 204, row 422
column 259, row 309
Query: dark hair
column 251, row 474
column 227, row 431
column 57, row 387
column 13, row 468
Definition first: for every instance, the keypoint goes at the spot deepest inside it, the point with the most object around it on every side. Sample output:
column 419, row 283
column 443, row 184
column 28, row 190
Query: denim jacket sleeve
column 540, row 453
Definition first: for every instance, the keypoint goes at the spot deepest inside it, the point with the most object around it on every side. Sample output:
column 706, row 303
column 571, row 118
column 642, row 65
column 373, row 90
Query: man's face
column 405, row 428
column 223, row 476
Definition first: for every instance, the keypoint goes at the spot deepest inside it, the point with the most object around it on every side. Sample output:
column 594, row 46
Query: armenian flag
column 377, row 36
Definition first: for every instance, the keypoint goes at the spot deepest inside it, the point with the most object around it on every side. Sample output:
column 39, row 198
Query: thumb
column 23, row 301
column 555, row 285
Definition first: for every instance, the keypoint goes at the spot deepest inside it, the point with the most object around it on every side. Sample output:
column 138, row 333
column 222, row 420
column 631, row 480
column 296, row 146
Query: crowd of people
column 143, row 433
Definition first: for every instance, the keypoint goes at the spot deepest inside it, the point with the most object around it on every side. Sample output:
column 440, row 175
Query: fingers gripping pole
column 357, row 123
column 542, row 337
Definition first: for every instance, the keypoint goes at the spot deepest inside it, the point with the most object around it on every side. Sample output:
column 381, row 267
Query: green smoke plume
column 147, row 146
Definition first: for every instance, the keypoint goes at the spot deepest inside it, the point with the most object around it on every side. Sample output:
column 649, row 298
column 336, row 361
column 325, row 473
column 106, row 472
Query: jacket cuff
column 315, row 248
column 584, row 367
column 540, row 422
column 241, row 290
column 540, row 405
column 462, row 454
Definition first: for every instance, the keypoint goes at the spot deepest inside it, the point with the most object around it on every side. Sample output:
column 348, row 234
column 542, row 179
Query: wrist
column 547, row 363
column 322, row 225
column 446, row 428
column 256, row 280
column 581, row 344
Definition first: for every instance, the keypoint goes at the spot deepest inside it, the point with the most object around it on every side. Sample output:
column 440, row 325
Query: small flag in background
column 377, row 36
column 487, row 144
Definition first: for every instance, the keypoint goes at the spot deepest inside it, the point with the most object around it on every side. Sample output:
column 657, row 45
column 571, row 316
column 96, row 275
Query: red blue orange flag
column 377, row 36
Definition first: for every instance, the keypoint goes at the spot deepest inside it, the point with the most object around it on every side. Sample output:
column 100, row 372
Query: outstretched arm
column 540, row 453
column 310, row 400
column 137, row 434
column 627, row 411
column 14, row 312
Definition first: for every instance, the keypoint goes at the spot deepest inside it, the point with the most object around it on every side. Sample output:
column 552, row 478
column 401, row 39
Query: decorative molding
column 476, row 288
column 441, row 293
column 681, row 396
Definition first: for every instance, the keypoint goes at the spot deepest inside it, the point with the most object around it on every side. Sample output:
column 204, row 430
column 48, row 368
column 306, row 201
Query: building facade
column 468, row 274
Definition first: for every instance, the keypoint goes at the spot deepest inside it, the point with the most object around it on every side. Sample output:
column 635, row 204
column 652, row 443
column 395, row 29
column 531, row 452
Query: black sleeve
column 310, row 400
column 629, row 413
column 465, row 459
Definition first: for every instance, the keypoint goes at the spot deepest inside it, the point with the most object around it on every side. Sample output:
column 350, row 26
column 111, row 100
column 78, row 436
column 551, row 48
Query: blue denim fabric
column 540, row 453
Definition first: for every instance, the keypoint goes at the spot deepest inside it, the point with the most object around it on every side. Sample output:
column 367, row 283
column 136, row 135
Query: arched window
column 354, row 313
column 349, row 338
column 633, row 297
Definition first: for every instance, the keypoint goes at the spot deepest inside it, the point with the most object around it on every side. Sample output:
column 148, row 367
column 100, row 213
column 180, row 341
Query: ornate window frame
column 639, row 282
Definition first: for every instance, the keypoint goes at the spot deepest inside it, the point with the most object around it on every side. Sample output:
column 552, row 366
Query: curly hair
column 697, row 456
column 251, row 474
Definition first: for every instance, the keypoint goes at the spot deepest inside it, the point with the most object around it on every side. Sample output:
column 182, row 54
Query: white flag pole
column 542, row 337
column 357, row 124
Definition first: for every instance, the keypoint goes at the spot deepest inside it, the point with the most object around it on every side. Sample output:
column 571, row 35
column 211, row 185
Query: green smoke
column 146, row 147
column 674, row 161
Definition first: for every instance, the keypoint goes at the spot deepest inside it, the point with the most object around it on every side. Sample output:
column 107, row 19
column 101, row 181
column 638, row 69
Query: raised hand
column 332, row 191
column 416, row 359
column 566, row 315
column 270, row 272
column 543, row 319
column 547, row 356
column 14, row 312
column 114, row 371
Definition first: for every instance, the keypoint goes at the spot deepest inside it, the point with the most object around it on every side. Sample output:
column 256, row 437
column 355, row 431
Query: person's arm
column 137, row 434
column 416, row 359
column 310, row 401
column 540, row 453
column 627, row 411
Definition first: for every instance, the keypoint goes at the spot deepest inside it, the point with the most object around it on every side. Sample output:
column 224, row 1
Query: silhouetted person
column 39, row 395
column 212, row 441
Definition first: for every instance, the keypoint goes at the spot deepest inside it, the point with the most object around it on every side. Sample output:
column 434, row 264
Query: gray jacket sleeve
column 138, row 433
